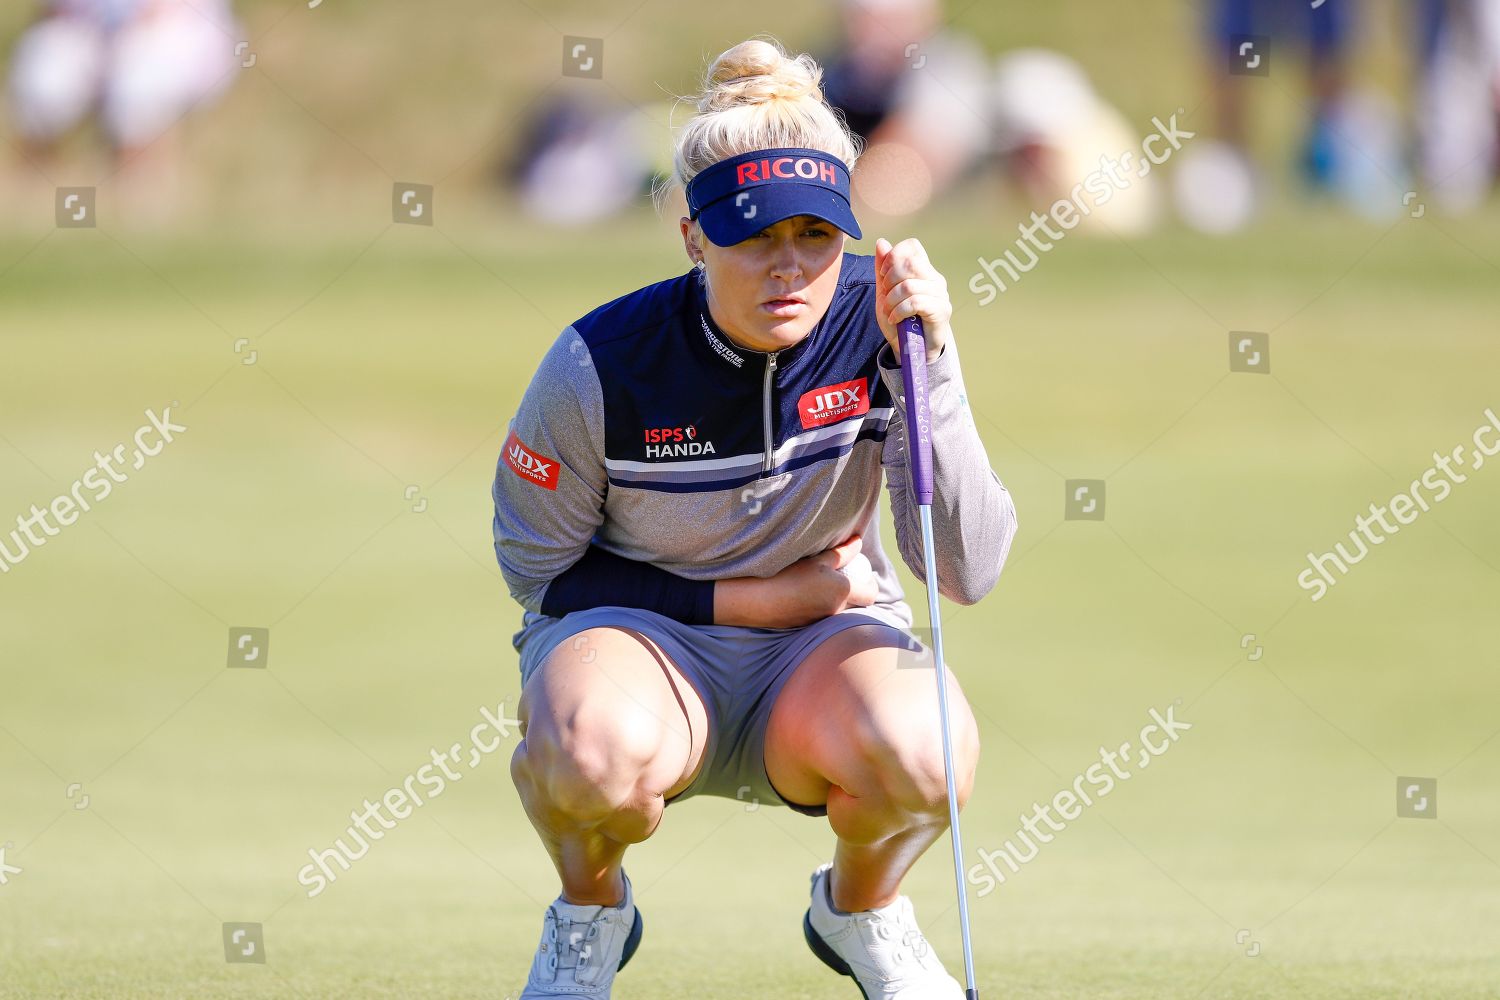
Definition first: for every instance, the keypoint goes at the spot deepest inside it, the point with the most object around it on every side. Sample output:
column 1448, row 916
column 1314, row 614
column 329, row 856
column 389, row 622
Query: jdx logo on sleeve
column 529, row 465
column 833, row 402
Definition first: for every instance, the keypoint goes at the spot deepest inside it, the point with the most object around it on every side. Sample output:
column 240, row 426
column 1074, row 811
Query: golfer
column 687, row 506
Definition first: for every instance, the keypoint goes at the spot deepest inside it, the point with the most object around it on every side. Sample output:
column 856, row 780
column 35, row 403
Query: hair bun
column 756, row 96
column 758, row 71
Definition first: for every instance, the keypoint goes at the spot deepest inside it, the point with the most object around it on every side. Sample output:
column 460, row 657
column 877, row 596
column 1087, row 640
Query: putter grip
column 918, row 420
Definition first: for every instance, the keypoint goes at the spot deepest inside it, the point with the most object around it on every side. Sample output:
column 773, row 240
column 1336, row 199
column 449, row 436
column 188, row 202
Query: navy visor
column 736, row 198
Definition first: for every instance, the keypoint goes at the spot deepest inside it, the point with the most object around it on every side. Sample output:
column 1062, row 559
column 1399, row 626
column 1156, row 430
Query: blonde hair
column 756, row 96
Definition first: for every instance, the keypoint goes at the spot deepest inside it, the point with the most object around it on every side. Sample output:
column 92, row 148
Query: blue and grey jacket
column 651, row 456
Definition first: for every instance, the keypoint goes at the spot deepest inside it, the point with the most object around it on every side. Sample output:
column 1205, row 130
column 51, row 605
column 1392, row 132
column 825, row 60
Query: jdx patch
column 833, row 403
column 529, row 465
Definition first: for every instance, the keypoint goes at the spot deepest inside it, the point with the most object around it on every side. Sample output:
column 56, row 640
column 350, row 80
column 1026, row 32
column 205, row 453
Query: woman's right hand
column 808, row 590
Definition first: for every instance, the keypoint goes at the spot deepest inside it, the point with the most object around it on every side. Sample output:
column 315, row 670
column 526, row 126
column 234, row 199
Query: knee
column 587, row 760
column 906, row 755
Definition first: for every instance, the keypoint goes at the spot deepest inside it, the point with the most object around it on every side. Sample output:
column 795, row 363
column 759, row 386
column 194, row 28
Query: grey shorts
column 737, row 673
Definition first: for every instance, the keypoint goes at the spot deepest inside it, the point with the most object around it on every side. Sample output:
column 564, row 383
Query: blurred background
column 335, row 239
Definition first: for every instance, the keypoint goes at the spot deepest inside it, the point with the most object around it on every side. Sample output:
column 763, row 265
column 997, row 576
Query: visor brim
column 733, row 220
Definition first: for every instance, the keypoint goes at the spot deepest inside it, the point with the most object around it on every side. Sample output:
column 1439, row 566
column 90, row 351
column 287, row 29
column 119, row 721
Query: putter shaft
column 924, row 513
column 913, row 342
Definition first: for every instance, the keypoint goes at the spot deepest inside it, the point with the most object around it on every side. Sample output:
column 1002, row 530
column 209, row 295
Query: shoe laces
column 568, row 943
column 909, row 941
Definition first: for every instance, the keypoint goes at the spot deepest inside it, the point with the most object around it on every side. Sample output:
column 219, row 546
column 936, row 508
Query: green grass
column 283, row 506
column 392, row 357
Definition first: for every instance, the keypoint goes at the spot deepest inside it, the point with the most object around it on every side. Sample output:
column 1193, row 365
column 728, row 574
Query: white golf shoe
column 882, row 950
column 582, row 948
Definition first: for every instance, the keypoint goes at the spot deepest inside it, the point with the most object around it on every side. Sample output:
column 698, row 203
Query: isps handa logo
column 832, row 403
column 529, row 465
column 676, row 442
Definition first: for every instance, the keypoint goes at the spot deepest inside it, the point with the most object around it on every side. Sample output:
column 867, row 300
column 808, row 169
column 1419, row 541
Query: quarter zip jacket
column 635, row 472
column 766, row 410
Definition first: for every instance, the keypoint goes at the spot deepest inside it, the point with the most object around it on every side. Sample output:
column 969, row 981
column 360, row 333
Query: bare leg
column 856, row 730
column 605, row 742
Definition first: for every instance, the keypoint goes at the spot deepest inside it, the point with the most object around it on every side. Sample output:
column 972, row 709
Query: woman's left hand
column 906, row 284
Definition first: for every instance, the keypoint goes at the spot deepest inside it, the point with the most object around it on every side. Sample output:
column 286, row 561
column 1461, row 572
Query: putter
column 919, row 457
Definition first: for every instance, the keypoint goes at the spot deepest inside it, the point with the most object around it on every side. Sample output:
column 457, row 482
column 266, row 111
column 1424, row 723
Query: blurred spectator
column 579, row 161
column 1054, row 132
column 1458, row 105
column 914, row 93
column 1352, row 143
column 139, row 65
column 1322, row 30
